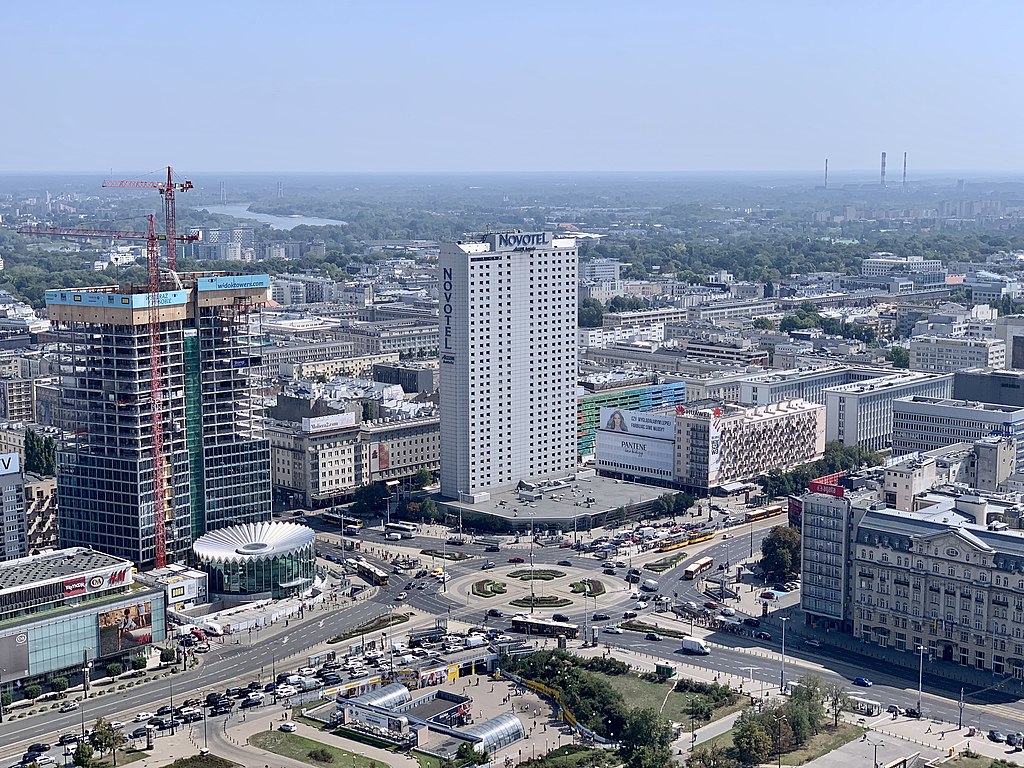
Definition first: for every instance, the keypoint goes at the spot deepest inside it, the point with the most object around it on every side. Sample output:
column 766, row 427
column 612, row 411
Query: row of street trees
column 778, row 727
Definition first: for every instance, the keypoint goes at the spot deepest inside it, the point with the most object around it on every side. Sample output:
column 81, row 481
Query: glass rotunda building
column 258, row 561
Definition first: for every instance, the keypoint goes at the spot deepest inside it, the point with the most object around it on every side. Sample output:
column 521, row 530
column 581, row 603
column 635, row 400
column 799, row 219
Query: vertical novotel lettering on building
column 446, row 313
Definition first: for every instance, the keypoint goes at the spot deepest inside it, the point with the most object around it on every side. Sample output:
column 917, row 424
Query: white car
column 726, row 535
column 641, row 605
column 43, row 760
column 285, row 691
column 728, row 612
column 612, row 630
column 288, row 726
column 143, row 717
column 306, row 671
column 401, row 596
column 116, row 725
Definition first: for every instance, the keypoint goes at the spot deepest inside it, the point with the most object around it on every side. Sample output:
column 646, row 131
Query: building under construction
column 216, row 462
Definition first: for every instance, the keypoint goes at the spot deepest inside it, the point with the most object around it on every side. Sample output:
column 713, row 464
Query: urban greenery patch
column 488, row 588
column 541, row 601
column 590, row 587
column 540, row 574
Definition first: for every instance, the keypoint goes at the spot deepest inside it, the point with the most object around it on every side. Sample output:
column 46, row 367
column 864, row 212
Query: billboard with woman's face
column 125, row 628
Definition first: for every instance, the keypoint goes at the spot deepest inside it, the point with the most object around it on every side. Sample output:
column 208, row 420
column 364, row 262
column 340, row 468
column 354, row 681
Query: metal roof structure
column 253, row 541
column 58, row 564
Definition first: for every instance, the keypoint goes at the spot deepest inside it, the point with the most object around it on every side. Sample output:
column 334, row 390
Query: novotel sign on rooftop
column 515, row 241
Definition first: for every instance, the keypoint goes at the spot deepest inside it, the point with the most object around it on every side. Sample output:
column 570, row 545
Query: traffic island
column 665, row 563
column 544, row 601
column 588, row 587
column 536, row 574
column 488, row 588
column 307, row 751
column 453, row 556
column 202, row 761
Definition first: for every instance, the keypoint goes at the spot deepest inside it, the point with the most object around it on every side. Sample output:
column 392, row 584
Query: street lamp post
column 533, row 593
column 782, row 682
column 2, row 671
column 875, row 745
column 960, row 719
column 778, row 736
column 920, row 679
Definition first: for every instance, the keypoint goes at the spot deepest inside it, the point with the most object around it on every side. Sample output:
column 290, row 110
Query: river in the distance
column 241, row 211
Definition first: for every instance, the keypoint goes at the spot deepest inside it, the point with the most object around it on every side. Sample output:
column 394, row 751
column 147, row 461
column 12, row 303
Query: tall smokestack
column 904, row 171
column 883, row 170
column 826, row 173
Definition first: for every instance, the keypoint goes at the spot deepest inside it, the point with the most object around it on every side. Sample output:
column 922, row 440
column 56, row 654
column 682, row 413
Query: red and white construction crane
column 167, row 189
column 161, row 507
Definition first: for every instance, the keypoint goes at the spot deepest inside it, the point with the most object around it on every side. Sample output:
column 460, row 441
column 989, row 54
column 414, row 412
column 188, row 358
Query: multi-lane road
column 257, row 657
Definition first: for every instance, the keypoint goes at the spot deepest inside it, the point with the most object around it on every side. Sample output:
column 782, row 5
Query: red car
column 564, row 545
column 769, row 596
column 516, row 560
column 711, row 604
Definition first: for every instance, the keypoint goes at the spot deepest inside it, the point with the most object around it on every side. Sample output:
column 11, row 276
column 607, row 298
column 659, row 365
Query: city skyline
column 603, row 87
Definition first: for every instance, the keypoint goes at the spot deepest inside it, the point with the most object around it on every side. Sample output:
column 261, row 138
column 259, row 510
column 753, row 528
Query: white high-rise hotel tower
column 508, row 361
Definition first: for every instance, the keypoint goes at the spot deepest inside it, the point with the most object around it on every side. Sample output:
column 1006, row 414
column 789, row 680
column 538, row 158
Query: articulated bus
column 685, row 541
column 371, row 573
column 546, row 627
column 343, row 520
column 763, row 514
column 696, row 568
column 405, row 530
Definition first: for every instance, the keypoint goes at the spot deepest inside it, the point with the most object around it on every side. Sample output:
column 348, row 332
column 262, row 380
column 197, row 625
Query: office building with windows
column 217, row 463
column 861, row 413
column 947, row 354
column 508, row 361
column 926, row 423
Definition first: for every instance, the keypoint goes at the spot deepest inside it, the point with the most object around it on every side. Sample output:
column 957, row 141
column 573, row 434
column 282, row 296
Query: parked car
column 191, row 703
column 288, row 726
column 192, row 717
column 139, row 733
column 68, row 738
column 233, row 693
column 996, row 736
column 166, row 725
column 728, row 612
column 863, row 682
column 143, row 717
column 165, row 710
column 39, row 746
column 762, row 635
column 220, row 710
column 250, row 703
column 752, row 622
column 912, row 712
column 768, row 595
column 893, row 709
column 331, row 678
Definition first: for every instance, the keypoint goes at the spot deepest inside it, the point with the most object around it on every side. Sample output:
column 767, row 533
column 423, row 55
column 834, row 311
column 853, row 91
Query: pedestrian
column 929, row 728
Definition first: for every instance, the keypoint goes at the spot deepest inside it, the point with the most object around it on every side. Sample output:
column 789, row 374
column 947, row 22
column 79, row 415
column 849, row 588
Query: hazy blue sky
column 515, row 85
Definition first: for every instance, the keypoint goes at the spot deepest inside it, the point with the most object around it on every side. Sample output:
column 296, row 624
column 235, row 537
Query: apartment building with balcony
column 719, row 443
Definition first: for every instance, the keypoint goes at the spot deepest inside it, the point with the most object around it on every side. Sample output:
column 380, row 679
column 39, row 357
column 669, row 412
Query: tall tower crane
column 160, row 505
column 167, row 189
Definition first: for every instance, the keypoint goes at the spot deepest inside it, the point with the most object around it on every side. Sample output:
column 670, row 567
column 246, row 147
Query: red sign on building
column 828, row 485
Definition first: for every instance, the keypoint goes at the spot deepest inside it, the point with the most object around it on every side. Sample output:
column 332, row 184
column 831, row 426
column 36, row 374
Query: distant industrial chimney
column 904, row 171
column 883, row 170
column 826, row 173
